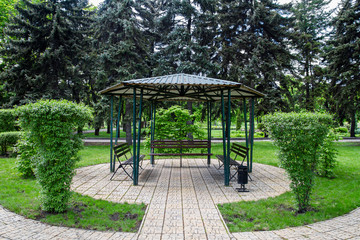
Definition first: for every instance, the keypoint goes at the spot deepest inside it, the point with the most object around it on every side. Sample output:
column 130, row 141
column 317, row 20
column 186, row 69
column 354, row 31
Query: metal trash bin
column 242, row 172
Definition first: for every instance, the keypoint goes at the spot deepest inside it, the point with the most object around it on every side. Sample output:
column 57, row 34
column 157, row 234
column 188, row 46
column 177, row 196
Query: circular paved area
column 181, row 204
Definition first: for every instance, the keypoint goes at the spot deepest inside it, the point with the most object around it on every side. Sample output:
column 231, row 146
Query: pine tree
column 344, row 62
column 44, row 46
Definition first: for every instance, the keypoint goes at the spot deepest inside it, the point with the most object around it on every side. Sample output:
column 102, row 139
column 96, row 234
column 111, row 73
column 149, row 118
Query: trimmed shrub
column 8, row 139
column 300, row 137
column 7, row 120
column 50, row 125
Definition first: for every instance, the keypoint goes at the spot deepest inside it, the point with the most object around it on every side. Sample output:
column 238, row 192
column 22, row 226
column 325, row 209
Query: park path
column 181, row 204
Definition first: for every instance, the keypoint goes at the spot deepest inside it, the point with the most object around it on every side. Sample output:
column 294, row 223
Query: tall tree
column 122, row 47
column 186, row 45
column 344, row 62
column 310, row 31
column 44, row 46
column 252, row 44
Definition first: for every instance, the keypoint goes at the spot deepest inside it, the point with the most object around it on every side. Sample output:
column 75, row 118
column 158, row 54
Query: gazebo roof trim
column 181, row 87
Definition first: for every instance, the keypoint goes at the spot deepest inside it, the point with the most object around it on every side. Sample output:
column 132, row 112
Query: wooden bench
column 180, row 144
column 122, row 150
column 239, row 151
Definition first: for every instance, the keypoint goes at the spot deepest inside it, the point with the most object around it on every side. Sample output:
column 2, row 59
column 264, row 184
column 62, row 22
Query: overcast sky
column 333, row 4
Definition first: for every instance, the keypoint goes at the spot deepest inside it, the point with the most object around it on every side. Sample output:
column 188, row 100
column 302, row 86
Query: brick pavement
column 181, row 204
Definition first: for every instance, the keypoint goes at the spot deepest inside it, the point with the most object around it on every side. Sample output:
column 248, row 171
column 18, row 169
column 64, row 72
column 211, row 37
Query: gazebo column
column 246, row 133
column 209, row 132
column 252, row 130
column 152, row 130
column 227, row 165
column 225, row 151
column 118, row 121
column 112, row 165
column 135, row 170
column 136, row 177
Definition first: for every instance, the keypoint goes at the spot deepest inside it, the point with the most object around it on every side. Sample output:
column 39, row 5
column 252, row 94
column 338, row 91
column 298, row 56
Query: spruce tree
column 344, row 62
column 310, row 31
column 122, row 47
column 43, row 50
column 252, row 47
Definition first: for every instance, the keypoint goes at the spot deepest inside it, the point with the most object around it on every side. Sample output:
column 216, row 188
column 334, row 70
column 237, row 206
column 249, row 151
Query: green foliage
column 8, row 139
column 7, row 120
column 172, row 123
column 26, row 157
column 300, row 137
column 50, row 125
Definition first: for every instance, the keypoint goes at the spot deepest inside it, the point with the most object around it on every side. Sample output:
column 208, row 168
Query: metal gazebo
column 183, row 87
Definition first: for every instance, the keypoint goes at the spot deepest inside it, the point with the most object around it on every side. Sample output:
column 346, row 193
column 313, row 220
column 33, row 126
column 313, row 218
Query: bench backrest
column 239, row 150
column 180, row 144
column 121, row 149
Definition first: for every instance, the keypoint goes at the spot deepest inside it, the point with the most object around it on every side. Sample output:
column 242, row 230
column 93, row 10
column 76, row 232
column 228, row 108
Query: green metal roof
column 182, row 87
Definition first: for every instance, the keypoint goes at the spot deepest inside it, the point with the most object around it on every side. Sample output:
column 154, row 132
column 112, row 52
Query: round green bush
column 50, row 126
column 8, row 139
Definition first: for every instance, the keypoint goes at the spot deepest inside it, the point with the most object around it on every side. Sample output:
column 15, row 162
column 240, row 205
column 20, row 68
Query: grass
column 280, row 212
column 21, row 196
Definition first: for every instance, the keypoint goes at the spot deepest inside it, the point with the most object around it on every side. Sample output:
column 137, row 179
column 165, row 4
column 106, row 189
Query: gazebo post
column 209, row 132
column 246, row 133
column 138, row 140
column 226, row 174
column 118, row 122
column 112, row 167
column 134, row 138
column 227, row 165
column 152, row 131
column 252, row 124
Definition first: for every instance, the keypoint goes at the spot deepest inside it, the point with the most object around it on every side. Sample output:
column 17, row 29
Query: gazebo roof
column 181, row 87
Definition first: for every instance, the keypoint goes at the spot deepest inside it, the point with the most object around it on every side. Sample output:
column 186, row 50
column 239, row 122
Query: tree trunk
column 97, row 131
column 353, row 122
column 108, row 127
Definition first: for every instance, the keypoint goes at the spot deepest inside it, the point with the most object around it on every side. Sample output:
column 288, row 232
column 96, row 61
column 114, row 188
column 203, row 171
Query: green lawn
column 331, row 197
column 20, row 195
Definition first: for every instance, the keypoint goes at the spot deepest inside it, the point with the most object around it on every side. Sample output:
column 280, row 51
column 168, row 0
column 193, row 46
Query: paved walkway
column 181, row 204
